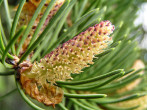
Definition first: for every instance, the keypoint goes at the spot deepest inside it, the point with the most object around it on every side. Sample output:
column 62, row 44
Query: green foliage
column 105, row 75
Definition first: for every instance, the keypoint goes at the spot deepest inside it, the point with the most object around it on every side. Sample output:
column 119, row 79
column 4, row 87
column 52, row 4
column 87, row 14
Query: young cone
column 68, row 58
column 27, row 13
column 73, row 55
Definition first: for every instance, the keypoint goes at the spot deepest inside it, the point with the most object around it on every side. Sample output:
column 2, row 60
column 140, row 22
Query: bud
column 28, row 11
column 73, row 55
